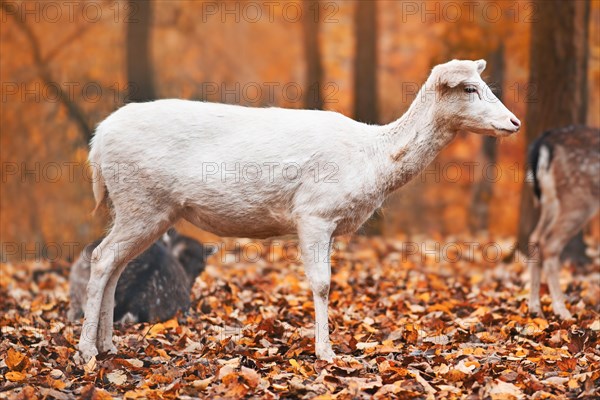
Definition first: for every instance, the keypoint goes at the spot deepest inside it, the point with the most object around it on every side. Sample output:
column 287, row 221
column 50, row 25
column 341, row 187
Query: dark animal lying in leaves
column 153, row 287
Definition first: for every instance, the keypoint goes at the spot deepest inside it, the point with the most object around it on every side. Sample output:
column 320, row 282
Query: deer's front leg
column 315, row 247
column 535, row 273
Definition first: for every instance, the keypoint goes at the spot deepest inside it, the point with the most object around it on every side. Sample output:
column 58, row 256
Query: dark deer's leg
column 567, row 224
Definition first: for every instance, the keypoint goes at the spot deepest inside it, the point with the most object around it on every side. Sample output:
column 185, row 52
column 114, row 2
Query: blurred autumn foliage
column 257, row 54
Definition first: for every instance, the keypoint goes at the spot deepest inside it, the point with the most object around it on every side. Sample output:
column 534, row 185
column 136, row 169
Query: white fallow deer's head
column 466, row 103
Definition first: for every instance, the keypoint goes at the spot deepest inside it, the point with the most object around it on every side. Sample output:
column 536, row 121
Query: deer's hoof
column 106, row 345
column 536, row 311
column 111, row 348
column 87, row 351
column 325, row 353
column 564, row 314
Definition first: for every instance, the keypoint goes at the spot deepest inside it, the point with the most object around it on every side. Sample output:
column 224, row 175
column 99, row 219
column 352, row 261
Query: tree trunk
column 483, row 190
column 365, row 69
column 139, row 57
column 365, row 82
column 557, row 90
column 314, row 69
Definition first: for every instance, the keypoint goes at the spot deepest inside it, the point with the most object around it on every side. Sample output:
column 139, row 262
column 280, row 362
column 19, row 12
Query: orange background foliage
column 194, row 52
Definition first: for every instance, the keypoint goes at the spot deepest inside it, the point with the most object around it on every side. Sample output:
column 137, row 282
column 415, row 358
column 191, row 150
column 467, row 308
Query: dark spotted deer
column 153, row 287
column 566, row 181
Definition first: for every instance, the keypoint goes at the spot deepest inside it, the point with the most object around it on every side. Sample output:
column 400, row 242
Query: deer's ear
column 455, row 72
column 480, row 66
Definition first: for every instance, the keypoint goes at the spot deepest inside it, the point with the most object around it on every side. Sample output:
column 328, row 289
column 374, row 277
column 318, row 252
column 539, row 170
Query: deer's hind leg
column 567, row 224
column 134, row 230
column 142, row 237
column 534, row 258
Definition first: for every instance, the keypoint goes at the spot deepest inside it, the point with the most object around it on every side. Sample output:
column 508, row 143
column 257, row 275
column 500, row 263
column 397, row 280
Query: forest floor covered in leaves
column 421, row 321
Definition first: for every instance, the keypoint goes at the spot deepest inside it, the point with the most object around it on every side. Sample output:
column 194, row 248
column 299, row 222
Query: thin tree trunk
column 365, row 82
column 365, row 70
column 312, row 54
column 557, row 90
column 139, row 57
column 483, row 190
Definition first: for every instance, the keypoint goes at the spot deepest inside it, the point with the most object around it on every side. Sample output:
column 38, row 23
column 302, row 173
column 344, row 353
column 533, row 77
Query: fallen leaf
column 15, row 376
column 15, row 361
column 251, row 377
column 505, row 391
column 117, row 377
column 90, row 366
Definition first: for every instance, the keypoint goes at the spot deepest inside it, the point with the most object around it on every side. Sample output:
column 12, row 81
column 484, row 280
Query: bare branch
column 74, row 110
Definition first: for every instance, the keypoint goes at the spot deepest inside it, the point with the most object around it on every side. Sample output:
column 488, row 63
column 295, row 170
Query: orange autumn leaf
column 15, row 376
column 15, row 360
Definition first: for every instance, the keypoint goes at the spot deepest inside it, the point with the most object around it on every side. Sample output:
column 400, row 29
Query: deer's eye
column 470, row 89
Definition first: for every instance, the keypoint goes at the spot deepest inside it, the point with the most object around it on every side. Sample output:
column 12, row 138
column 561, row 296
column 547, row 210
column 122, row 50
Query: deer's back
column 574, row 153
column 236, row 171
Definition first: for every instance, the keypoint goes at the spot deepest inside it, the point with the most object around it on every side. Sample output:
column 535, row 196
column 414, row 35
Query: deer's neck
column 409, row 144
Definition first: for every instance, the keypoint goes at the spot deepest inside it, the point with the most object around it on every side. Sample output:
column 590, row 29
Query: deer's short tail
column 540, row 157
column 98, row 183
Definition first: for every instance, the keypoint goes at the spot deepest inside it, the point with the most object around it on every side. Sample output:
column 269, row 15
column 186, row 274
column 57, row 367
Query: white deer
column 257, row 173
